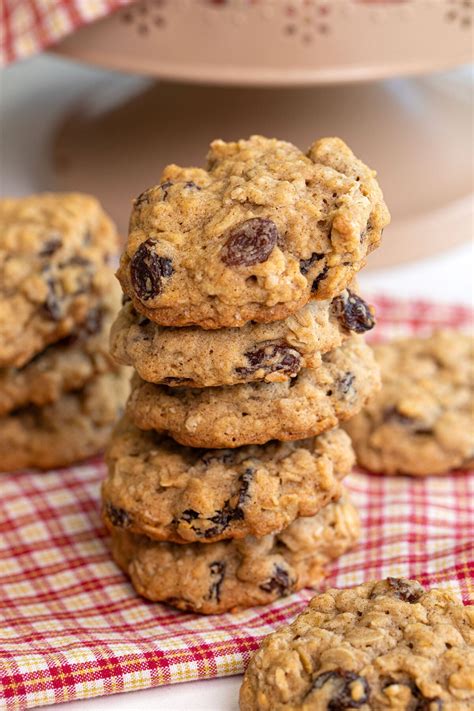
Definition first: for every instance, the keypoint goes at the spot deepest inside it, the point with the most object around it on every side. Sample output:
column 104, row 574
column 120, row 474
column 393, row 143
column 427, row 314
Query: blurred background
column 98, row 95
column 153, row 82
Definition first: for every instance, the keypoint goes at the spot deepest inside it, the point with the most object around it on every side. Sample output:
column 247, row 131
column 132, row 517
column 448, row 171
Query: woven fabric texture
column 71, row 626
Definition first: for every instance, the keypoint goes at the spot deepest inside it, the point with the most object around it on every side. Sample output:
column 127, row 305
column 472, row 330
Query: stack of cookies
column 60, row 391
column 243, row 324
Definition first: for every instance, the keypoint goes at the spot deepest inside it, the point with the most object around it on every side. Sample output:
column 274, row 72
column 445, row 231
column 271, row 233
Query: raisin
column 425, row 704
column 143, row 198
column 280, row 582
column 90, row 326
column 148, row 269
column 322, row 275
column 341, row 683
column 415, row 426
column 352, row 312
column 368, row 228
column 176, row 381
column 52, row 303
column 93, row 322
column 222, row 519
column 117, row 517
column 306, row 264
column 345, row 383
column 165, row 187
column 217, row 570
column 51, row 246
column 275, row 357
column 192, row 185
column 250, row 243
column 216, row 455
column 141, row 319
column 77, row 261
column 423, row 431
column 245, row 480
column 228, row 513
column 405, row 590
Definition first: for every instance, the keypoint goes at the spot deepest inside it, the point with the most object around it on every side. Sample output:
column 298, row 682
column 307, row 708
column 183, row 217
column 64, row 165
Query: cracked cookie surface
column 66, row 365
column 422, row 420
column 255, row 413
column 75, row 427
column 216, row 577
column 272, row 352
column 382, row 645
column 173, row 493
column 255, row 237
column 54, row 249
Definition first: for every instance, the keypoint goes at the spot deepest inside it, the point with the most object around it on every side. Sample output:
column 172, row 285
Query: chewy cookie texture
column 254, row 413
column 422, row 421
column 243, row 322
column 74, row 427
column 66, row 365
column 273, row 352
column 60, row 391
column 217, row 577
column 54, row 255
column 383, row 645
column 174, row 493
column 254, row 237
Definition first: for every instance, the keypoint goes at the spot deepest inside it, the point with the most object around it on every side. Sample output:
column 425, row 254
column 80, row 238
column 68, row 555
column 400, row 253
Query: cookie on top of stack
column 243, row 324
column 60, row 391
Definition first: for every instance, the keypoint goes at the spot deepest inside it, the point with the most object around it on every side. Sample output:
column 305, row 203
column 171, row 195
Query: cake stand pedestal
column 116, row 140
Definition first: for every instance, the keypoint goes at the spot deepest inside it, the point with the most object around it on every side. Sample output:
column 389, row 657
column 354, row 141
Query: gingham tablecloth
column 71, row 626
column 29, row 26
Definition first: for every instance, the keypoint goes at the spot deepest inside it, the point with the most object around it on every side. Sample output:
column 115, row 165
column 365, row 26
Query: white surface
column 33, row 95
column 213, row 695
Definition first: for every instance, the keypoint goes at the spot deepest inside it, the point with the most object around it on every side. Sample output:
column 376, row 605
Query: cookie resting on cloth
column 217, row 577
column 422, row 420
column 379, row 646
column 75, row 427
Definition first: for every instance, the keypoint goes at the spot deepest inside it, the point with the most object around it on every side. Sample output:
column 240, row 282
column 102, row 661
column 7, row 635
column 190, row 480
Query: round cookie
column 255, row 413
column 273, row 352
column 382, row 645
column 216, row 577
column 54, row 250
column 254, row 237
column 173, row 493
column 422, row 421
column 75, row 427
column 66, row 365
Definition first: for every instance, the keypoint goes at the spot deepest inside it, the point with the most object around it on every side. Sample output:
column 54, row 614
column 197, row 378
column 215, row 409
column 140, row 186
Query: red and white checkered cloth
column 72, row 627
column 29, row 26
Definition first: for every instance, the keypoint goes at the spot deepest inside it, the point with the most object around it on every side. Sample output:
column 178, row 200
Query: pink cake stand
column 278, row 42
column 276, row 60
